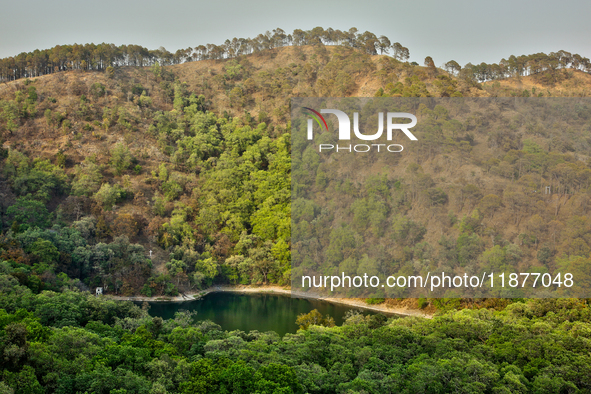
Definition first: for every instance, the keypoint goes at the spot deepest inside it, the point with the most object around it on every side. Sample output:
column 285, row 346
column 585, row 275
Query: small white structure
column 548, row 190
column 99, row 291
column 150, row 254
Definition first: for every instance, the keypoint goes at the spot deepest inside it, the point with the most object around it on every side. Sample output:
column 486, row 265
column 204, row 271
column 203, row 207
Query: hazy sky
column 463, row 30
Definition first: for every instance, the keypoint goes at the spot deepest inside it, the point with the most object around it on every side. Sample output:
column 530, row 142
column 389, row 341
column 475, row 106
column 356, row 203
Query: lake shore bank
column 353, row 302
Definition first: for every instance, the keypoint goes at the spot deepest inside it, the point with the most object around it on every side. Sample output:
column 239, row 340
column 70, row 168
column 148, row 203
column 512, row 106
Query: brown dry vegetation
column 82, row 124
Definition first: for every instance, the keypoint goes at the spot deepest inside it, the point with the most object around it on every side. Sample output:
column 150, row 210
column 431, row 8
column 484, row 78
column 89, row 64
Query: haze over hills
column 191, row 161
column 167, row 178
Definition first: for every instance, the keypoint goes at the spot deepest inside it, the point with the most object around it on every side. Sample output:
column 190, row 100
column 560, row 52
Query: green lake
column 251, row 311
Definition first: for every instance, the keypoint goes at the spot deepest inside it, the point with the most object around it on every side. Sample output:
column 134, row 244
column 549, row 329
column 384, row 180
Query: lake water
column 248, row 311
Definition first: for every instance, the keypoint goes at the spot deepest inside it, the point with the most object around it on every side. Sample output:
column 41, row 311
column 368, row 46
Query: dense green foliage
column 72, row 342
column 237, row 216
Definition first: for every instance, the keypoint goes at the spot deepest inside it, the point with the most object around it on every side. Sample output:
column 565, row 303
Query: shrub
column 121, row 158
column 108, row 195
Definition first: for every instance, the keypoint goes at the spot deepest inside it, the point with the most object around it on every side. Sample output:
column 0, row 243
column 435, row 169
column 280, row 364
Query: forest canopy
column 102, row 56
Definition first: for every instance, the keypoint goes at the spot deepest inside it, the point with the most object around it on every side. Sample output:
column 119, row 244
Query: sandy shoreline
column 278, row 290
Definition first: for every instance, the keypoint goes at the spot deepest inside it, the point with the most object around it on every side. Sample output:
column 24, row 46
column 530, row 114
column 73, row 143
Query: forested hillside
column 147, row 172
column 153, row 179
column 489, row 186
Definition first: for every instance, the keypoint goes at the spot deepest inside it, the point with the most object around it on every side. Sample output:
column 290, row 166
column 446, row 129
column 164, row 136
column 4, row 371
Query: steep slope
column 191, row 162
